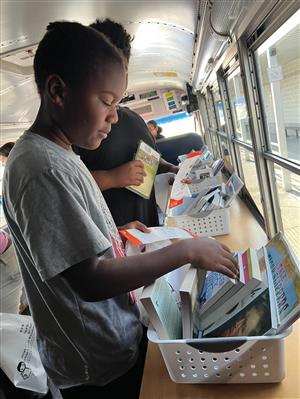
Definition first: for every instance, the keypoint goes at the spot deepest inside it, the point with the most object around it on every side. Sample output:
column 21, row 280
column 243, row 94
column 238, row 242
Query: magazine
column 150, row 159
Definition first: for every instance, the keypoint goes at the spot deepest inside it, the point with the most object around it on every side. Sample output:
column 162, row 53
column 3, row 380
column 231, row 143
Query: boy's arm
column 96, row 280
column 165, row 167
column 130, row 173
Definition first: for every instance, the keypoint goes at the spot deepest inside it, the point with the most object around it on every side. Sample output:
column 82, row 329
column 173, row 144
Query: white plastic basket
column 211, row 223
column 198, row 185
column 224, row 360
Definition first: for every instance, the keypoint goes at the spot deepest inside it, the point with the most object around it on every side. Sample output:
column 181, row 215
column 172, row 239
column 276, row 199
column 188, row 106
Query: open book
column 150, row 159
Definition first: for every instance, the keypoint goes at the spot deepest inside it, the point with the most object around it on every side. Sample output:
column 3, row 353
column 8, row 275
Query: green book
column 150, row 159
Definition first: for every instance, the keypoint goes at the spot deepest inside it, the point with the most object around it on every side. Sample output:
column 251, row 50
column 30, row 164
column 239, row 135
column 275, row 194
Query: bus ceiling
column 175, row 41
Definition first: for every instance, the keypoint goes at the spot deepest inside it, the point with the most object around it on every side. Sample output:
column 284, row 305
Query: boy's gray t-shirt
column 58, row 218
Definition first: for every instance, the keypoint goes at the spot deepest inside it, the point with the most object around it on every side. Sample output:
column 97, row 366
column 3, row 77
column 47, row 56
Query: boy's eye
column 106, row 103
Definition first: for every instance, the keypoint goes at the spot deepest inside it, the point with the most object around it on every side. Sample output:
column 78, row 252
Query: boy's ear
column 56, row 89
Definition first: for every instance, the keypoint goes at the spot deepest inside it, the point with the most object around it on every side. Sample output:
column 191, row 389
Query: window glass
column 2, row 219
column 289, row 207
column 211, row 111
column 250, row 176
column 278, row 66
column 176, row 124
column 226, row 155
column 238, row 106
column 215, row 144
column 219, row 109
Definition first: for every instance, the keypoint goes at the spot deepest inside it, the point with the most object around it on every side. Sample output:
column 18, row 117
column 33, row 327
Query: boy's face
column 152, row 130
column 89, row 111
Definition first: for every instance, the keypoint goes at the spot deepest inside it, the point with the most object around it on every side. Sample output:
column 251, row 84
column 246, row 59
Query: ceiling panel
column 160, row 28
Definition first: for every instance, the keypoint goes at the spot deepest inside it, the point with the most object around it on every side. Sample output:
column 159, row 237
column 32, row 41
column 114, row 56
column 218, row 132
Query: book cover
column 150, row 159
column 216, row 285
column 190, row 289
column 159, row 301
column 284, row 280
column 253, row 319
column 181, row 190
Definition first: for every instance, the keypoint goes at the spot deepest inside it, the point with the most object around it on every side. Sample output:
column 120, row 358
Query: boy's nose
column 113, row 115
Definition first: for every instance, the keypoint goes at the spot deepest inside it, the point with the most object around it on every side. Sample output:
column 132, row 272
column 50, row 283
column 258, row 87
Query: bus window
column 250, row 175
column 289, row 208
column 2, row 219
column 278, row 65
column 225, row 150
column 238, row 106
column 176, row 124
column 219, row 110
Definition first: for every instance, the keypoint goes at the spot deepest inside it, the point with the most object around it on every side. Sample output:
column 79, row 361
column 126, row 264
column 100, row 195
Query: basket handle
column 218, row 346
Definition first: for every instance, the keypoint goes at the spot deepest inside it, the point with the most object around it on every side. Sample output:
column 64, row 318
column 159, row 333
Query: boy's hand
column 130, row 173
column 210, row 254
column 135, row 225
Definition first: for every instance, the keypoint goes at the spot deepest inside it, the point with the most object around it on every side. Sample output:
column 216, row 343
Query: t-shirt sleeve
column 53, row 216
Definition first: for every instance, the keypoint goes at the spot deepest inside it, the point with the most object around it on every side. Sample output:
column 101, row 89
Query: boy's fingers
column 230, row 265
column 223, row 269
column 225, row 247
column 232, row 259
column 141, row 226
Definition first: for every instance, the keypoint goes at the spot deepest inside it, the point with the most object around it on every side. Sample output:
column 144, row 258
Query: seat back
column 171, row 147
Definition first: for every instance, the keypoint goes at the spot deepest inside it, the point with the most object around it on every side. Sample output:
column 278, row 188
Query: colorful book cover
column 285, row 273
column 214, row 283
column 150, row 159
column 246, row 266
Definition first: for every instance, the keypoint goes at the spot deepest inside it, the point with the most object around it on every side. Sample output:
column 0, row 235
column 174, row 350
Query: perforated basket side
column 213, row 223
column 253, row 362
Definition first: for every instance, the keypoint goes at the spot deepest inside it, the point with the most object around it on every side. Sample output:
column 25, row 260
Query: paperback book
column 160, row 303
column 284, row 281
column 150, row 159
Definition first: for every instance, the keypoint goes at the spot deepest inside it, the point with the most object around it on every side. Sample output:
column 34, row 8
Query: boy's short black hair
column 116, row 33
column 73, row 52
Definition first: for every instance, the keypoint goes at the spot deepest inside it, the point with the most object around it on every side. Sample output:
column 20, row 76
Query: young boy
column 76, row 276
column 112, row 163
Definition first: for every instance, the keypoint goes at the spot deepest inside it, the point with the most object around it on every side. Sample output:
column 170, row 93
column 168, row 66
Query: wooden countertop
column 244, row 232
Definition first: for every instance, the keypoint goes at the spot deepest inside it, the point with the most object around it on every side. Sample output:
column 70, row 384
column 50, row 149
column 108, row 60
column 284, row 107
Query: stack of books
column 264, row 300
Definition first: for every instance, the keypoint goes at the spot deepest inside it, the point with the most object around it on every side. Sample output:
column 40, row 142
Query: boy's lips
column 103, row 134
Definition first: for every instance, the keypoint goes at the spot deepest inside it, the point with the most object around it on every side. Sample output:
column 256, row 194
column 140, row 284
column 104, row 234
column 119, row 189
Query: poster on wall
column 170, row 100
